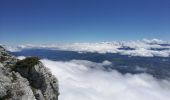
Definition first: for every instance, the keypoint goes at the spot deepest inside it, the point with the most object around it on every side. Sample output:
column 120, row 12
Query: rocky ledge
column 26, row 79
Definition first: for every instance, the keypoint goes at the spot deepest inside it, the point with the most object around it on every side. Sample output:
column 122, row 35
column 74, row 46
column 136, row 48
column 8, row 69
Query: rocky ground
column 25, row 83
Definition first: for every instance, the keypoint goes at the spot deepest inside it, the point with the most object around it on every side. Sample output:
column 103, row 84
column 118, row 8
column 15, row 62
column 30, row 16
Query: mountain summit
column 26, row 79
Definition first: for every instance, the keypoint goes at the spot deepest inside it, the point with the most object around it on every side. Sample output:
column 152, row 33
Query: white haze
column 78, row 81
column 21, row 57
column 141, row 48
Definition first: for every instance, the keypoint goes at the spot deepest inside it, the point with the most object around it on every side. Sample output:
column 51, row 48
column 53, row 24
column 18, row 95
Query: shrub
column 1, row 46
column 27, row 62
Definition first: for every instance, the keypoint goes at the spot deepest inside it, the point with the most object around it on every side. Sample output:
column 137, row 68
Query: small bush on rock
column 27, row 62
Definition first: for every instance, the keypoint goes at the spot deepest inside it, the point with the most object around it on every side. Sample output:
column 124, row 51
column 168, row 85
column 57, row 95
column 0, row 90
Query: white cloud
column 142, row 48
column 21, row 57
column 78, row 81
column 12, row 48
column 153, row 41
column 145, row 53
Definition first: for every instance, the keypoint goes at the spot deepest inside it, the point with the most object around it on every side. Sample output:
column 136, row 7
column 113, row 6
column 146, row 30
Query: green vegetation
column 1, row 46
column 27, row 62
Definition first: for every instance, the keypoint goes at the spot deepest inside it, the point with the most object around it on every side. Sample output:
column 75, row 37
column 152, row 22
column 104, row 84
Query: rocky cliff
column 26, row 79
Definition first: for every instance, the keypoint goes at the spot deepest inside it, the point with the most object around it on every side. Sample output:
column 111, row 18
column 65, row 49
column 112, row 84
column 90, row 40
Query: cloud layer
column 84, row 80
column 146, row 48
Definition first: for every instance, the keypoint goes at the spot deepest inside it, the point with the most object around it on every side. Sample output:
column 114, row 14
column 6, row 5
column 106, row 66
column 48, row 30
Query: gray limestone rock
column 14, row 87
column 41, row 78
column 25, row 83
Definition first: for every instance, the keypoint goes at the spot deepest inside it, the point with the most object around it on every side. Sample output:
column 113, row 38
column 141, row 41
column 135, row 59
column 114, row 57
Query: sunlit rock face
column 40, row 78
column 25, row 83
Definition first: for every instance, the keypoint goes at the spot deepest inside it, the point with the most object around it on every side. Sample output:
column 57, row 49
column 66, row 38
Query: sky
column 65, row 21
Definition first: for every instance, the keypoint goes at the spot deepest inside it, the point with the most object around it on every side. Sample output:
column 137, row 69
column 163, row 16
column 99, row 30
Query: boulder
column 27, row 79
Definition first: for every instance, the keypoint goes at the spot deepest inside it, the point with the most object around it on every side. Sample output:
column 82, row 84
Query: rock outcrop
column 33, row 82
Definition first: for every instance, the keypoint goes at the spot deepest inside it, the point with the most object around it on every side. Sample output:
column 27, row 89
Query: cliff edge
column 26, row 79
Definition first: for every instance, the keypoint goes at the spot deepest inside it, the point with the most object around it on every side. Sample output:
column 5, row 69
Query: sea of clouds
column 144, row 48
column 86, row 80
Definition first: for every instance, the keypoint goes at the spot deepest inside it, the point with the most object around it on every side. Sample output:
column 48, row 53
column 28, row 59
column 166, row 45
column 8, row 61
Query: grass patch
column 27, row 62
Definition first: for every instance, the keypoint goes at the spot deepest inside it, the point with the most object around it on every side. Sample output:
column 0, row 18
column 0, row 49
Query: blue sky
column 53, row 21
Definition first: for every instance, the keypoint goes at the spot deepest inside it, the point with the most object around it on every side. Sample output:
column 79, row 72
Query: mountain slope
column 33, row 82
